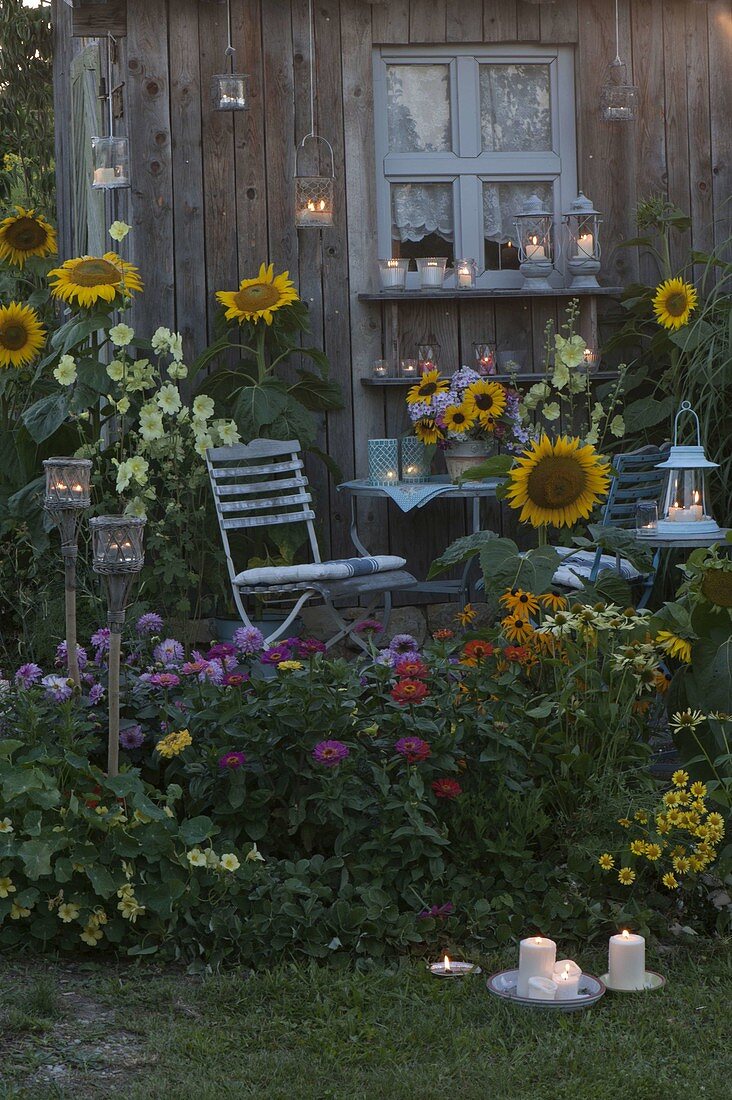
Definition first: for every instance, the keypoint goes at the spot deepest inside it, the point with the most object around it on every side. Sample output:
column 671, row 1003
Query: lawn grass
column 308, row 1033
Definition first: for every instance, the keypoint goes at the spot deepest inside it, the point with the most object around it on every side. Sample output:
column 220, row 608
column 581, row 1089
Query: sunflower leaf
column 47, row 415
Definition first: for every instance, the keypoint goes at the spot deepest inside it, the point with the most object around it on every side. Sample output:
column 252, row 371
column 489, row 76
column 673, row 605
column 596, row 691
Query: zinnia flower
column 414, row 748
column 409, row 691
column 164, row 679
column 330, row 753
column 446, row 788
column 149, row 623
column 403, row 643
column 248, row 640
column 276, row 655
column 309, row 647
column 131, row 737
column 231, row 761
column 475, row 652
column 443, row 635
column 408, row 668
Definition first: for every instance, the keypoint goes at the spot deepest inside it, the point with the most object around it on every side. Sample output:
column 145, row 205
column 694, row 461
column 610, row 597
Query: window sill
column 522, row 376
column 490, row 292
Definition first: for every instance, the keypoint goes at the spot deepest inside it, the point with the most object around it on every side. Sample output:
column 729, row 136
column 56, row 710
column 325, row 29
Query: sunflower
column 425, row 390
column 673, row 302
column 517, row 629
column 674, row 645
column 457, row 419
column 519, row 603
column 426, row 430
column 26, row 234
column 258, row 298
column 89, row 279
column 557, row 482
column 21, row 335
column 485, row 401
column 716, row 586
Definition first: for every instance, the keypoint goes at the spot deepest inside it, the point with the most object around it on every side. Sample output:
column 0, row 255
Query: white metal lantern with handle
column 683, row 512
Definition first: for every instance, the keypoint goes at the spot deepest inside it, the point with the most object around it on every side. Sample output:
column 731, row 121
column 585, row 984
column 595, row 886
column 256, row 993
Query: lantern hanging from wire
column 111, row 154
column 314, row 193
column 683, row 512
column 582, row 224
column 535, row 232
column 230, row 91
column 618, row 98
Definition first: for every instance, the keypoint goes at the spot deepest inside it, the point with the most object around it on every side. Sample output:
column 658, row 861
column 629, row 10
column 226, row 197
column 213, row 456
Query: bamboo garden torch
column 66, row 497
column 117, row 556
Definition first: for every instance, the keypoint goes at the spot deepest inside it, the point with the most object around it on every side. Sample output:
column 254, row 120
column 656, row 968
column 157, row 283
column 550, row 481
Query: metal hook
column 685, row 407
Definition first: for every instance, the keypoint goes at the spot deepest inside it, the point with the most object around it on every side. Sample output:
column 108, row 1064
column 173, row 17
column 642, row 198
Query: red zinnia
column 414, row 748
column 446, row 788
column 443, row 635
column 409, row 691
column 516, row 653
column 476, row 651
column 410, row 669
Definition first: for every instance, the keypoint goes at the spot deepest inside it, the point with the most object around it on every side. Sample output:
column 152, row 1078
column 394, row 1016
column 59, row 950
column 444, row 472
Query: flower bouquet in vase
column 468, row 416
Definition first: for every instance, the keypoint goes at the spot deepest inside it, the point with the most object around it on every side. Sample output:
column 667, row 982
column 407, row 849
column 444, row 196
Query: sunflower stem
column 261, row 361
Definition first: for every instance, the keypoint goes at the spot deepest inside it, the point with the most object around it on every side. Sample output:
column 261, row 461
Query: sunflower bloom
column 25, row 234
column 485, row 401
column 21, row 335
column 673, row 303
column 557, row 482
column 429, row 385
column 257, row 299
column 674, row 645
column 426, row 431
column 457, row 419
column 90, row 279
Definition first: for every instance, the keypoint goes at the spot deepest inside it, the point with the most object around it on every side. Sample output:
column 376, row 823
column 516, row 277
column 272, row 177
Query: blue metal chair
column 635, row 477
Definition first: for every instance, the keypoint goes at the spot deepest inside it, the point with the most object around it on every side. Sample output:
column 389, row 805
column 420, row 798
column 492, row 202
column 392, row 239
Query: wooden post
column 72, row 656
column 115, row 648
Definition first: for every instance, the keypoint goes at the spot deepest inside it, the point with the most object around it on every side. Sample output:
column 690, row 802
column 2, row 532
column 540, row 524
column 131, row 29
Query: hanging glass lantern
column 683, row 512
column 618, row 98
column 314, row 194
column 534, row 230
column 111, row 162
column 230, row 92
column 583, row 233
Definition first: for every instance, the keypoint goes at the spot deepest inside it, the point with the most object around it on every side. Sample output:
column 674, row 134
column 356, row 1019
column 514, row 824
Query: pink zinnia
column 446, row 788
column 409, row 669
column 414, row 748
column 164, row 679
column 330, row 753
column 232, row 760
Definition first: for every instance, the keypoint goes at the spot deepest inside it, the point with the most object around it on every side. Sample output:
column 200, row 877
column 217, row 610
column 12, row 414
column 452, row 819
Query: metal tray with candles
column 589, row 992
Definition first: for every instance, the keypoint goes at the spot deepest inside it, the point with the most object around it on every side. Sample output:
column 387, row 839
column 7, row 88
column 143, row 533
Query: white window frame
column 467, row 167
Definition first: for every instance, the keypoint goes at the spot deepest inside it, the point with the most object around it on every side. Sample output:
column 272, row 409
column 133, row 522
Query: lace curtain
column 515, row 113
column 501, row 203
column 419, row 209
column 418, row 107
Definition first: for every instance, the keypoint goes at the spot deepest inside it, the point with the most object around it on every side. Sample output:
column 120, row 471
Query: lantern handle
column 316, row 137
column 685, row 407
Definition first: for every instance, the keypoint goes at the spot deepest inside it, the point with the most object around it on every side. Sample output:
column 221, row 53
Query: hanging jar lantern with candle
column 618, row 98
column 111, row 154
column 535, row 232
column 683, row 512
column 230, row 91
column 582, row 223
column 314, row 194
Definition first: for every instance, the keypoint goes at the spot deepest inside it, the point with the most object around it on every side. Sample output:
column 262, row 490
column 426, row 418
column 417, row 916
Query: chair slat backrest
column 260, row 484
column 635, row 478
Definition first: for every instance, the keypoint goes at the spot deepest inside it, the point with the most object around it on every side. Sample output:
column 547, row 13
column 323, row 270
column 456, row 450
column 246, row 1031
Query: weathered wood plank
column 527, row 21
column 190, row 238
column 151, row 168
column 280, row 133
column 390, row 22
column 427, row 21
column 677, row 121
column 650, row 131
column 464, row 21
column 249, row 127
column 720, row 62
column 97, row 20
column 63, row 52
column 499, row 21
column 559, row 22
column 477, row 325
column 697, row 98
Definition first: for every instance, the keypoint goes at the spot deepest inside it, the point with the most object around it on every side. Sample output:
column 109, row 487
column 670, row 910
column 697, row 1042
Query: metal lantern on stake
column 314, row 194
column 534, row 229
column 67, row 495
column 683, row 512
column 583, row 233
column 111, row 154
column 618, row 98
column 118, row 556
column 230, row 91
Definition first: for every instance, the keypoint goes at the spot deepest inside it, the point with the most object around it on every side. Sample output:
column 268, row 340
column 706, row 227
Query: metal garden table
column 473, row 491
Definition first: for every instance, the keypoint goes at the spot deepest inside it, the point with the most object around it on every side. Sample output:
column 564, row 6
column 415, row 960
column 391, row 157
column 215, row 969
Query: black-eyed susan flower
column 257, row 299
column 517, row 629
column 519, row 603
column 557, row 482
column 553, row 601
column 606, row 861
column 467, row 615
column 674, row 645
column 25, row 234
column 21, row 335
column 428, row 387
column 87, row 280
column 673, row 303
column 626, row 876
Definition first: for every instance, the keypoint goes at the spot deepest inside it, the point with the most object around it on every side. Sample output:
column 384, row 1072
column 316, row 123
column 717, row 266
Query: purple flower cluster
column 62, row 656
column 131, row 737
column 248, row 640
column 169, row 653
column 330, row 753
column 402, row 647
column 96, row 694
column 100, row 641
column 58, row 688
column 148, row 624
column 27, row 675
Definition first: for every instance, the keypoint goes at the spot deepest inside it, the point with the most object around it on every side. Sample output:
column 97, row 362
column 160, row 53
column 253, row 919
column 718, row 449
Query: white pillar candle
column 537, row 956
column 627, row 961
column 542, row 989
column 586, row 246
column 534, row 250
column 464, row 277
column 431, row 275
column 567, row 976
column 103, row 176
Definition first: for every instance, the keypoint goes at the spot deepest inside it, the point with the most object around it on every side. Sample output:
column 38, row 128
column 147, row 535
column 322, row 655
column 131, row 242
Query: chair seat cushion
column 579, row 567
column 320, row 571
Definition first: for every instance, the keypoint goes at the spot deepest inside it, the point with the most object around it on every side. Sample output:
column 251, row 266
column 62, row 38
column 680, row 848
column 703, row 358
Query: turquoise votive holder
column 415, row 460
column 383, row 461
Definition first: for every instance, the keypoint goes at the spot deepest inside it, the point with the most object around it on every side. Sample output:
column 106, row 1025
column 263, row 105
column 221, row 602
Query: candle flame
column 696, row 496
column 447, row 964
column 538, row 939
column 626, row 934
column 311, row 205
column 534, row 239
column 510, row 244
column 322, row 204
column 566, row 970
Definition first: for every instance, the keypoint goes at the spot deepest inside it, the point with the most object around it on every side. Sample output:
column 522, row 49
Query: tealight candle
column 586, row 246
column 541, row 989
column 103, row 176
column 627, row 961
column 449, row 968
column 567, row 977
column 537, row 956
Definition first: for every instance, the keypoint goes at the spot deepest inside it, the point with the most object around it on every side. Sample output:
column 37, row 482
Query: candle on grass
column 537, row 956
column 627, row 961
column 567, row 977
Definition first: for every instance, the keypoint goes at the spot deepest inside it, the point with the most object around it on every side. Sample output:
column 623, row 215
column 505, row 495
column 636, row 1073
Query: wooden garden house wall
column 211, row 193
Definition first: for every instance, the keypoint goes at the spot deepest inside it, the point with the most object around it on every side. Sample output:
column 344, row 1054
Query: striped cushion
column 579, row 567
column 322, row 571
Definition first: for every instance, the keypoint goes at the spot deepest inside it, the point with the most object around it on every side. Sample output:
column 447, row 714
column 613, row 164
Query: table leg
column 354, row 530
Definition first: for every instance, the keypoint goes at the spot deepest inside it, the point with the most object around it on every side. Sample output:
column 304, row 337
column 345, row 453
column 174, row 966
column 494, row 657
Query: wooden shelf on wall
column 521, row 376
column 454, row 295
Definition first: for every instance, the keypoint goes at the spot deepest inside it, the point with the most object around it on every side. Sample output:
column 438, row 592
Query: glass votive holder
column 111, row 162
column 230, row 91
column 415, row 460
column 466, row 273
column 431, row 272
column 383, row 461
column 591, row 359
column 428, row 357
column 485, row 358
column 380, row 368
column 409, row 368
column 646, row 518
column 393, row 274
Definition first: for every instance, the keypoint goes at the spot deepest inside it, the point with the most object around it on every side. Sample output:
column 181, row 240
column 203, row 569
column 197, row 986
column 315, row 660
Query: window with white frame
column 464, row 135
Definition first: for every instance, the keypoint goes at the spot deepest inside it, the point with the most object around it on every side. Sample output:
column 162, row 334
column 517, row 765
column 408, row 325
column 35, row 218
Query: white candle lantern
column 431, row 272
column 534, row 229
column 618, row 98
column 381, row 368
column 683, row 513
column 383, row 455
column 393, row 274
column 582, row 224
column 110, row 162
column 465, row 274
column 314, row 194
column 537, row 956
column 409, row 368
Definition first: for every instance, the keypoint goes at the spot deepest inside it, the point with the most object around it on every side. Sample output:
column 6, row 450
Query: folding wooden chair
column 262, row 484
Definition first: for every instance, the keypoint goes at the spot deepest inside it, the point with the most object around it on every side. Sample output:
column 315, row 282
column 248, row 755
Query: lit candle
column 431, row 273
column 696, row 509
column 534, row 250
column 541, row 989
column 103, row 176
column 449, row 968
column 537, row 956
column 391, row 274
column 316, row 212
column 409, row 368
column 381, row 368
column 586, row 246
column 627, row 961
column 567, row 976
